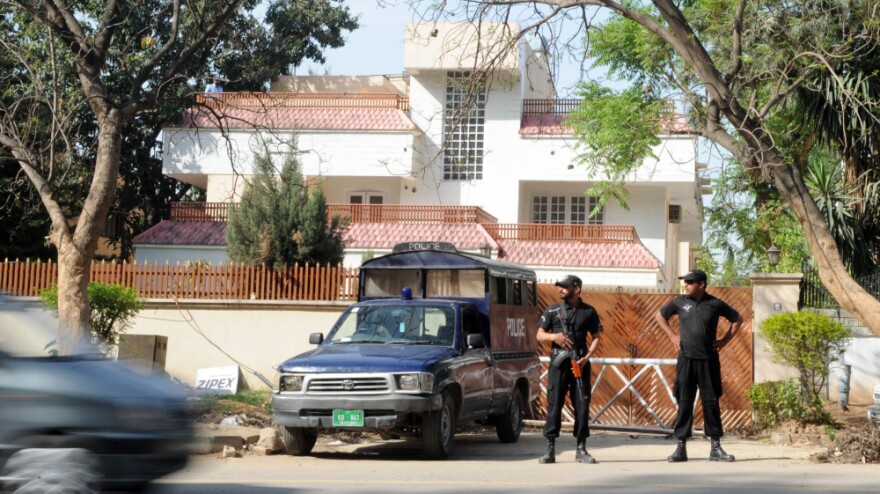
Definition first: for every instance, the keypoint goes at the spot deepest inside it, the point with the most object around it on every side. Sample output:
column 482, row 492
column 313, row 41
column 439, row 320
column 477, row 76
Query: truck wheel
column 438, row 430
column 297, row 441
column 509, row 425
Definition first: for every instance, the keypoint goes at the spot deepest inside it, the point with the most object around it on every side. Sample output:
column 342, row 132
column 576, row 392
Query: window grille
column 674, row 213
column 464, row 120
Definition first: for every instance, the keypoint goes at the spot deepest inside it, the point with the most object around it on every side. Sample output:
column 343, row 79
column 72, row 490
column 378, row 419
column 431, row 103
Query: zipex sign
column 217, row 380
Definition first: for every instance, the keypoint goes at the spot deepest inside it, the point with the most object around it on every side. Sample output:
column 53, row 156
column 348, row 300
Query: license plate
column 348, row 418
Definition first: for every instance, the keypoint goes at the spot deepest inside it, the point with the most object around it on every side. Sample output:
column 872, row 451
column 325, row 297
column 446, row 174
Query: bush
column 113, row 308
column 776, row 401
column 810, row 343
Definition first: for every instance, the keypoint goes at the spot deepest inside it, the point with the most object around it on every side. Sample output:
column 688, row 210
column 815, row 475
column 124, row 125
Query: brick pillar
column 772, row 293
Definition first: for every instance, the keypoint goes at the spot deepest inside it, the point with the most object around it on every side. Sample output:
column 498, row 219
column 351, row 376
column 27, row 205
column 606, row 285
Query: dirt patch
column 855, row 444
column 216, row 411
column 855, row 440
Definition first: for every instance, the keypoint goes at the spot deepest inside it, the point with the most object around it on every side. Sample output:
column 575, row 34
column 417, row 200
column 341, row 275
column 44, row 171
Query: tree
column 114, row 307
column 810, row 343
column 278, row 223
column 746, row 71
column 77, row 77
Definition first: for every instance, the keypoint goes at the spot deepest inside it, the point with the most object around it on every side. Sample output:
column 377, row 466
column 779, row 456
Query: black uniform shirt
column 698, row 322
column 581, row 319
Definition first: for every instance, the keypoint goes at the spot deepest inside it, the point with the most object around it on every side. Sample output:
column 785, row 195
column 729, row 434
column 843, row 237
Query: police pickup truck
column 437, row 338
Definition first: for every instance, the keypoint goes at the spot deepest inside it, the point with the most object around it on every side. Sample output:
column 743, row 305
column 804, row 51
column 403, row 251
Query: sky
column 376, row 47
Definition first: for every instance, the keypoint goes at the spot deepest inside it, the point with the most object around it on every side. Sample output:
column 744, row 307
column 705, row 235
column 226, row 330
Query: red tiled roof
column 535, row 125
column 368, row 119
column 169, row 232
column 593, row 255
column 465, row 236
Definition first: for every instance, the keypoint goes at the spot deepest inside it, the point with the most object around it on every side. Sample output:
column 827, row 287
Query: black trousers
column 704, row 374
column 559, row 383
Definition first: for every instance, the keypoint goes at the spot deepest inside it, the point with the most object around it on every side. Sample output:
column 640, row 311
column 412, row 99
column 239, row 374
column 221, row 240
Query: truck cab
column 437, row 338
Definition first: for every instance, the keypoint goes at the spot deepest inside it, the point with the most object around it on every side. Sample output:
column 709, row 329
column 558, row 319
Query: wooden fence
column 195, row 281
column 632, row 332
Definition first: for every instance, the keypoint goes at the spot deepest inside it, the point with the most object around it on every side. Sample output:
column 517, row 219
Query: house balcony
column 429, row 214
column 266, row 100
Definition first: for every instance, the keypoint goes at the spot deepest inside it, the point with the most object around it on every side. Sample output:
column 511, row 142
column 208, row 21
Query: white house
column 426, row 156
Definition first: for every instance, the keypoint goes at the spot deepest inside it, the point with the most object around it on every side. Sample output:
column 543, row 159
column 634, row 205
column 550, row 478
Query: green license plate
column 348, row 418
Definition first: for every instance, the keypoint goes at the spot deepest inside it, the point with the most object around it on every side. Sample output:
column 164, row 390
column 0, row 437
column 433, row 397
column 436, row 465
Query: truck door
column 475, row 369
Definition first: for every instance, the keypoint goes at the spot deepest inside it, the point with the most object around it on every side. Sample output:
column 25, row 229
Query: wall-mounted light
column 773, row 257
column 486, row 251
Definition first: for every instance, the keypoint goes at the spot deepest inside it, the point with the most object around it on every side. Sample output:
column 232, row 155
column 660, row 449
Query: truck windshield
column 396, row 324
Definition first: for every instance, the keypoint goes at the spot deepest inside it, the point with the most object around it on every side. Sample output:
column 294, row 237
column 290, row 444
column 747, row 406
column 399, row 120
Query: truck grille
column 348, row 385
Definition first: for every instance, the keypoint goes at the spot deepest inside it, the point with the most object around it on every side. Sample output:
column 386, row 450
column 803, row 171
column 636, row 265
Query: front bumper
column 380, row 411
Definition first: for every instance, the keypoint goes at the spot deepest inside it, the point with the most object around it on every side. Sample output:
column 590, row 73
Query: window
column 464, row 119
column 366, row 198
column 539, row 209
column 674, row 213
column 559, row 210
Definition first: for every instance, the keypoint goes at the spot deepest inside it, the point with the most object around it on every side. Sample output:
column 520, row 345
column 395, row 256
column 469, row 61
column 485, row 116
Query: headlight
column 291, row 383
column 417, row 381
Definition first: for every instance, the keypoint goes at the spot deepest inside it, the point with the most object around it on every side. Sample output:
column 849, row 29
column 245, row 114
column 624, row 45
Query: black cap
column 695, row 275
column 569, row 281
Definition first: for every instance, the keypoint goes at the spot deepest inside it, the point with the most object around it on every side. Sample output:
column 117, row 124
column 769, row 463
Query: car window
column 395, row 324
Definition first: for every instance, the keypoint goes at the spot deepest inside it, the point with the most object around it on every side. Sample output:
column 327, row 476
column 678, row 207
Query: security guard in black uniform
column 698, row 363
column 580, row 319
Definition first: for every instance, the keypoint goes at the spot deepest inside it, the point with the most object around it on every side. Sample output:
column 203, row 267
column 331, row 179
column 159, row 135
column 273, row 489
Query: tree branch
column 736, row 47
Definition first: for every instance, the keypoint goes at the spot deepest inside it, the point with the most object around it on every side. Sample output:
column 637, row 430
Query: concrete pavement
column 480, row 463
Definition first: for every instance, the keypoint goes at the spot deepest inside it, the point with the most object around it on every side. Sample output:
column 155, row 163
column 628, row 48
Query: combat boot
column 680, row 454
column 718, row 454
column 581, row 456
column 550, row 456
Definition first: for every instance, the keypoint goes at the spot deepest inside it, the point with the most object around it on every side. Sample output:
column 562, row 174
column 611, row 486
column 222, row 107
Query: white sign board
column 217, row 380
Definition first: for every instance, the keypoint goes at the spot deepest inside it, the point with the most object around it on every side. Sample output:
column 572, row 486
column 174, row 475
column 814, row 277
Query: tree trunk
column 765, row 158
column 74, row 313
column 832, row 270
column 75, row 251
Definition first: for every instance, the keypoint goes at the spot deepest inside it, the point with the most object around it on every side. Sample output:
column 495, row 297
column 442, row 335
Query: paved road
column 481, row 464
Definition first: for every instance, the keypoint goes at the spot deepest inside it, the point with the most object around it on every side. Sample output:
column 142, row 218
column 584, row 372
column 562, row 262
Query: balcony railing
column 200, row 211
column 581, row 233
column 356, row 213
column 254, row 100
column 549, row 106
column 399, row 213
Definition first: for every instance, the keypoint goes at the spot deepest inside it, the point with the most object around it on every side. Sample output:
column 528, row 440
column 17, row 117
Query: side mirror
column 475, row 341
column 316, row 338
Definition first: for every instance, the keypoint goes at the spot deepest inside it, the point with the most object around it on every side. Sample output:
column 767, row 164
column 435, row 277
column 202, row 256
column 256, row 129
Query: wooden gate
column 631, row 332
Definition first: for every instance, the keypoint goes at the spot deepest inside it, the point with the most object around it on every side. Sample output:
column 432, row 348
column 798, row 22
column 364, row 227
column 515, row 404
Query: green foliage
column 278, row 223
column 37, row 79
column 113, row 309
column 809, row 70
column 260, row 398
column 776, row 401
column 808, row 342
column 742, row 221
column 615, row 132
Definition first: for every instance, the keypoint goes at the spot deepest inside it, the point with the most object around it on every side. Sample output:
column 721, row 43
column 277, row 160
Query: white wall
column 207, row 152
column 174, row 254
column 258, row 334
column 863, row 355
column 630, row 278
